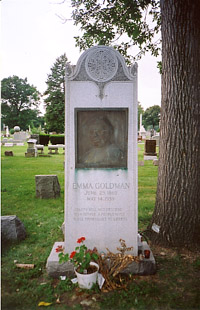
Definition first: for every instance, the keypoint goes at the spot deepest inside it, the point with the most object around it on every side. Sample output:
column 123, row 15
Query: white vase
column 87, row 280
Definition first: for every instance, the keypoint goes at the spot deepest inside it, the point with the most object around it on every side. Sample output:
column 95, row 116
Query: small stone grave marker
column 12, row 229
column 47, row 186
column 8, row 153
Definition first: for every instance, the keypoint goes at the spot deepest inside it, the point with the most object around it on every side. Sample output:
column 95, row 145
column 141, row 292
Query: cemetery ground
column 176, row 284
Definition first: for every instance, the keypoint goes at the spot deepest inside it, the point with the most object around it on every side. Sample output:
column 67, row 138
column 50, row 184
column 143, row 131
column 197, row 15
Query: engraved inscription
column 101, row 65
column 101, row 186
column 102, row 194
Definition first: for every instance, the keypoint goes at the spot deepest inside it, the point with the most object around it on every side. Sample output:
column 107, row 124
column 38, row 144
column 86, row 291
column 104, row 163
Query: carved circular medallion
column 101, row 65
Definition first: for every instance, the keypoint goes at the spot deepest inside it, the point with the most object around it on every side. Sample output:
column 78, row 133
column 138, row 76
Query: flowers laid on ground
column 80, row 258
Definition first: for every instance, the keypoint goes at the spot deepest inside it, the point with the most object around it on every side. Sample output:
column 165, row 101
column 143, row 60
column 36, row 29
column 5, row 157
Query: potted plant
column 83, row 259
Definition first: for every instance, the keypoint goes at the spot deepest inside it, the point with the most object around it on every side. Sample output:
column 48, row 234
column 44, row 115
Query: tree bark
column 177, row 210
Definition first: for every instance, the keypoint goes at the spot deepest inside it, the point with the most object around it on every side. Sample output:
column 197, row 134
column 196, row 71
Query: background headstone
column 155, row 162
column 142, row 131
column 7, row 132
column 8, row 153
column 157, row 138
column 140, row 163
column 47, row 186
column 31, row 150
column 19, row 136
column 5, row 140
column 150, row 150
column 36, row 137
column 12, row 229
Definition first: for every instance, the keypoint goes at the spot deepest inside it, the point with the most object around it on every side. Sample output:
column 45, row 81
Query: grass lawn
column 174, row 286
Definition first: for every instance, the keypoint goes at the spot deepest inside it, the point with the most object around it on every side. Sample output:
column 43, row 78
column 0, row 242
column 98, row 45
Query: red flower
column 80, row 239
column 59, row 248
column 72, row 254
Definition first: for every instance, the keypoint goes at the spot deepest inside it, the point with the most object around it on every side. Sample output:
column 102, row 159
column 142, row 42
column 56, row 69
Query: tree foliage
column 121, row 24
column 19, row 102
column 55, row 96
column 151, row 116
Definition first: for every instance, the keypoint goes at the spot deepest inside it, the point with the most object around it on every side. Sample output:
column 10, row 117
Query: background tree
column 18, row 100
column 151, row 117
column 178, row 195
column 55, row 100
column 176, row 212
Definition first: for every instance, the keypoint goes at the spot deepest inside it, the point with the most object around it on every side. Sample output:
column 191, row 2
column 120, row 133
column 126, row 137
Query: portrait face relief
column 99, row 132
column 101, row 138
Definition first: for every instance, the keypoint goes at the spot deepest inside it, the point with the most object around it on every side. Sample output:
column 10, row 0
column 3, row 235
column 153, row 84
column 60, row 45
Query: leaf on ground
column 43, row 303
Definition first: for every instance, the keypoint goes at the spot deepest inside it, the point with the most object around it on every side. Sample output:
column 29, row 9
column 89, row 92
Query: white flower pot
column 87, row 280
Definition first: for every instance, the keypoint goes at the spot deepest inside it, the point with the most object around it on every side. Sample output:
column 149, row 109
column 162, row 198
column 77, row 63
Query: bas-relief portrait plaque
column 101, row 138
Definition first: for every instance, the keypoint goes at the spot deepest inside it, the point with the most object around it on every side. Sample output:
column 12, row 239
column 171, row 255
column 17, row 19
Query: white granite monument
column 101, row 178
column 101, row 155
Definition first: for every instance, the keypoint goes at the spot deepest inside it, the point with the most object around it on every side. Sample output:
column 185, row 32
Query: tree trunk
column 177, row 210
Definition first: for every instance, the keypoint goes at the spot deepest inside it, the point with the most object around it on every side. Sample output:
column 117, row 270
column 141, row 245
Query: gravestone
column 142, row 131
column 157, row 138
column 150, row 150
column 101, row 138
column 101, row 154
column 8, row 153
column 31, row 150
column 140, row 163
column 36, row 137
column 155, row 162
column 7, row 132
column 19, row 136
column 47, row 186
column 5, row 140
column 12, row 229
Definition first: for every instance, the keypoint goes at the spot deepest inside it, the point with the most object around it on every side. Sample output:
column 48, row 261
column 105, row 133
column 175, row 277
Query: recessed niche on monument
column 101, row 138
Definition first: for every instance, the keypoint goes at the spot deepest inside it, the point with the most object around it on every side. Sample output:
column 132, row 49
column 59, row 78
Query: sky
column 33, row 36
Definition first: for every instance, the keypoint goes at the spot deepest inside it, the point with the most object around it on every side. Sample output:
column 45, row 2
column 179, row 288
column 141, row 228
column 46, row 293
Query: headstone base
column 55, row 270
column 149, row 157
column 27, row 154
